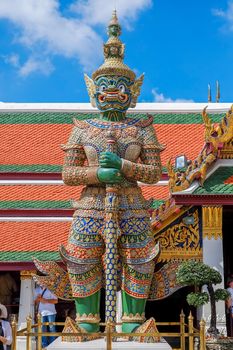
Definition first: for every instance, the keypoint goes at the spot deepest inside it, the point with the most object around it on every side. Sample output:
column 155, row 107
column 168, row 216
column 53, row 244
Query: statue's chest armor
column 127, row 142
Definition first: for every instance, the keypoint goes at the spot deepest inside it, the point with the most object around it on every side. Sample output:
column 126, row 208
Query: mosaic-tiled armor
column 110, row 242
column 84, row 253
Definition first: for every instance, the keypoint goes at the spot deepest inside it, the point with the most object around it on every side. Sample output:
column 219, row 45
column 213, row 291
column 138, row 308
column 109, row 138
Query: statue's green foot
column 147, row 327
column 129, row 327
column 85, row 328
column 90, row 327
column 130, row 322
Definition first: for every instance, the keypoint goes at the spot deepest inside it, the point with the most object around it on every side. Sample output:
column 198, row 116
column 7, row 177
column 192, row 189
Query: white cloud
column 159, row 97
column 12, row 59
column 227, row 15
column 93, row 11
column 35, row 65
column 43, row 29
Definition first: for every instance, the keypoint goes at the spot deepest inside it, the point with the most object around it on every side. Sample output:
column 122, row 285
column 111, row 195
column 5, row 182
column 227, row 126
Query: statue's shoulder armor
column 143, row 123
column 81, row 124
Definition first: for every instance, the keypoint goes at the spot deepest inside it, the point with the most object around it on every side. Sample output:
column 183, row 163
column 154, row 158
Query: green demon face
column 113, row 93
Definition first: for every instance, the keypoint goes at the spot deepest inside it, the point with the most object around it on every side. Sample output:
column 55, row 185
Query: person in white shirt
column 46, row 301
column 5, row 329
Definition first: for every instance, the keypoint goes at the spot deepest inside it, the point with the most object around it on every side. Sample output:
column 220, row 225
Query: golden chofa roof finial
column 114, row 53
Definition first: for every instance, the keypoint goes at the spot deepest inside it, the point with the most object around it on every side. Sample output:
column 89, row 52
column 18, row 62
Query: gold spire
column 209, row 93
column 217, row 91
column 114, row 53
column 114, row 20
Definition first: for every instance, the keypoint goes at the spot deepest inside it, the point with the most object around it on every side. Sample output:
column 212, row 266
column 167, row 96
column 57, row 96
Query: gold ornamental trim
column 221, row 133
column 166, row 216
column 27, row 274
column 71, row 327
column 181, row 254
column 114, row 54
column 114, row 67
column 212, row 222
column 89, row 318
column 219, row 145
column 131, row 318
column 181, row 240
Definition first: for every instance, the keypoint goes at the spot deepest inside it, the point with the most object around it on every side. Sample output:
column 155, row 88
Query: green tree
column 198, row 274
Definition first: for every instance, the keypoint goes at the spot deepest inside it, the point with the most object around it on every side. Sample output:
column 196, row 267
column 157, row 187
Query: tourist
column 46, row 300
column 5, row 329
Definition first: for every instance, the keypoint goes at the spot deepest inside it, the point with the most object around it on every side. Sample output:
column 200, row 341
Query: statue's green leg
column 87, row 307
column 132, row 307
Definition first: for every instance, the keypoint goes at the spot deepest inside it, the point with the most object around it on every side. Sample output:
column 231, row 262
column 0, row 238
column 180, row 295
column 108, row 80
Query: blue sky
column 181, row 46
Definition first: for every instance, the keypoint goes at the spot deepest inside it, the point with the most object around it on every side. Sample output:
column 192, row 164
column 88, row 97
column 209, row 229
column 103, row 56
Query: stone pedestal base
column 21, row 343
column 100, row 344
column 220, row 344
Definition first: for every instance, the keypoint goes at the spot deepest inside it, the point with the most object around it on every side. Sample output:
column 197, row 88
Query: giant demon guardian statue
column 110, row 242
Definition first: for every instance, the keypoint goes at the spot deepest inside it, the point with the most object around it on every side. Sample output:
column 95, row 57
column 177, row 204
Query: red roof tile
column 26, row 144
column 63, row 192
column 180, row 139
column 156, row 192
column 39, row 192
column 33, row 144
column 33, row 236
column 229, row 181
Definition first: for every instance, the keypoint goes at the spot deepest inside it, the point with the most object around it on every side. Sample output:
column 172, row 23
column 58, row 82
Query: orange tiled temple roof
column 30, row 142
column 40, row 143
column 63, row 192
column 43, row 236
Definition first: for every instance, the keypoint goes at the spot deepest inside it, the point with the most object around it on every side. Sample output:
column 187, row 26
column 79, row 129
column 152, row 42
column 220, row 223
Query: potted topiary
column 198, row 274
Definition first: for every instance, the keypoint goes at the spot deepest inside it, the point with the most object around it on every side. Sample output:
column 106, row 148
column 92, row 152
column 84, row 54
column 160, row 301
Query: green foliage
column 197, row 273
column 221, row 294
column 197, row 299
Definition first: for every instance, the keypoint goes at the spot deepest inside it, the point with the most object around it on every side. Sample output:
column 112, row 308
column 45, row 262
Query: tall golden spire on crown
column 114, row 53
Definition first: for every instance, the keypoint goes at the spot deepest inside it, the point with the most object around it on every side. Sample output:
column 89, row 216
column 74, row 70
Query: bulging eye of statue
column 121, row 87
column 102, row 88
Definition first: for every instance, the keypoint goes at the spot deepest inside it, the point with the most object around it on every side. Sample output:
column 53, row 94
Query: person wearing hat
column 5, row 329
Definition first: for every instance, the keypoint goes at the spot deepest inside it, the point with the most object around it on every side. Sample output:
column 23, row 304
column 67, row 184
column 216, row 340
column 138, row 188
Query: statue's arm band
column 74, row 172
column 74, row 176
column 149, row 171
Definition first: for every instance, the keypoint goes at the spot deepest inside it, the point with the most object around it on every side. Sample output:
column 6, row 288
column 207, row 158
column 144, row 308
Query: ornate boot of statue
column 87, row 312
column 133, row 313
column 85, row 279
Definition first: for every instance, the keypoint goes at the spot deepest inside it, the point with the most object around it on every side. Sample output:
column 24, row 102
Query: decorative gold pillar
column 212, row 222
column 27, row 274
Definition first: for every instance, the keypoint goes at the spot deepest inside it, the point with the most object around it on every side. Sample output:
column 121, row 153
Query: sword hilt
column 111, row 141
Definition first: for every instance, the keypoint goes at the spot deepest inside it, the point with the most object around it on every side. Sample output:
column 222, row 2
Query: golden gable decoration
column 148, row 327
column 219, row 145
column 71, row 327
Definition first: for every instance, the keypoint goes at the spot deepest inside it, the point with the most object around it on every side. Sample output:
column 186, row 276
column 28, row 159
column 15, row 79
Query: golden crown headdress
column 114, row 53
column 113, row 63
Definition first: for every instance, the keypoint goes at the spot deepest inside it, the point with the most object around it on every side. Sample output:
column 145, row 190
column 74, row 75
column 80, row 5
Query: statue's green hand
column 109, row 175
column 110, row 160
